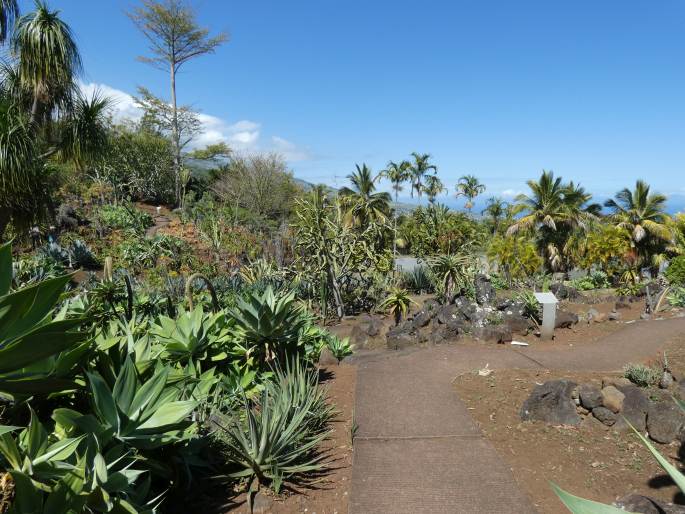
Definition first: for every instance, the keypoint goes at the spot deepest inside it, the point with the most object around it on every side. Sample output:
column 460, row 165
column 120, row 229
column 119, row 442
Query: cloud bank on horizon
column 242, row 136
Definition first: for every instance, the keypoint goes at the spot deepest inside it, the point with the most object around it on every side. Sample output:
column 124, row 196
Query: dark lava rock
column 465, row 308
column 398, row 338
column 639, row 504
column 551, row 402
column 636, row 405
column 564, row 292
column 422, row 318
column 517, row 323
column 565, row 319
column 492, row 333
column 326, row 357
column 664, row 421
column 485, row 292
column 455, row 327
column 590, row 396
column 604, row 415
column 447, row 313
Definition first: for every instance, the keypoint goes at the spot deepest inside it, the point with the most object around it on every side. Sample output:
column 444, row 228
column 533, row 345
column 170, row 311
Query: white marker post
column 549, row 313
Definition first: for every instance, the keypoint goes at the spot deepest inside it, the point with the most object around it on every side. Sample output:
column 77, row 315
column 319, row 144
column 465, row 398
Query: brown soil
column 330, row 493
column 591, row 461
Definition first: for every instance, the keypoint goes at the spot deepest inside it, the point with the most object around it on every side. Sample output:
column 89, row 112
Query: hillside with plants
column 171, row 315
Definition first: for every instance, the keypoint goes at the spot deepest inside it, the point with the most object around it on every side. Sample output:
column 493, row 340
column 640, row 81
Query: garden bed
column 590, row 460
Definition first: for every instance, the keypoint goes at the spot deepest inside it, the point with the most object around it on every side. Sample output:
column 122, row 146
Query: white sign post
column 549, row 313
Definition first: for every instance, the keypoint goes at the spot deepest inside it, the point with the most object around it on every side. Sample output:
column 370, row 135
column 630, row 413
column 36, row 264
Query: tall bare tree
column 174, row 38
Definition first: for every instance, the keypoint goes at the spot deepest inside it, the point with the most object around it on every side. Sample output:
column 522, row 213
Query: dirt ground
column 591, row 460
column 330, row 493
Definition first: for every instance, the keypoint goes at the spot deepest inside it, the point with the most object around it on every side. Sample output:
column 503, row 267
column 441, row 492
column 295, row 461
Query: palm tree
column 364, row 203
column 84, row 132
column 469, row 187
column 48, row 59
column 397, row 174
column 643, row 215
column 419, row 168
column 496, row 209
column 9, row 11
column 433, row 187
column 20, row 177
column 554, row 210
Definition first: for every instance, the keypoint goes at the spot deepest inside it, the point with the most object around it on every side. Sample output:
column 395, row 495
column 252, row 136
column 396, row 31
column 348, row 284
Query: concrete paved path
column 418, row 450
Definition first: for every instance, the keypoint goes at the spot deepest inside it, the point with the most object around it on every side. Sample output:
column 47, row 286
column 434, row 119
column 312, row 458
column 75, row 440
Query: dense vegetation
column 121, row 385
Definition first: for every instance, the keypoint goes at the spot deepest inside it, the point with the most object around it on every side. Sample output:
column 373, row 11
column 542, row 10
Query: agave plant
column 81, row 256
column 397, row 303
column 340, row 348
column 277, row 437
column 268, row 325
column 37, row 349
column 143, row 414
column 52, row 473
column 193, row 335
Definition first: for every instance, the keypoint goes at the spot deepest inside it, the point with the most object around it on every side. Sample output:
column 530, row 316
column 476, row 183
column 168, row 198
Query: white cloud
column 290, row 151
column 243, row 135
column 510, row 193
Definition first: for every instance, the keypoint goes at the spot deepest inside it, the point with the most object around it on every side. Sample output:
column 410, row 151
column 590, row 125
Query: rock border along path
column 418, row 450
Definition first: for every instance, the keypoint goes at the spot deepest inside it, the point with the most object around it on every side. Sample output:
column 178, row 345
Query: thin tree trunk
column 176, row 137
column 34, row 108
column 394, row 239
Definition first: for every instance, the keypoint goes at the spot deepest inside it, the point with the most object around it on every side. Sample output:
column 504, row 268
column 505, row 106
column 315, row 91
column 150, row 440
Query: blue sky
column 593, row 90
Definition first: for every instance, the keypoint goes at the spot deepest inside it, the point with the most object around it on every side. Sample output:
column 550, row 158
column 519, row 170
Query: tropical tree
column 85, row 132
column 469, row 187
column 48, row 60
column 642, row 214
column 553, row 210
column 20, row 171
column 174, row 38
column 433, row 187
column 397, row 174
column 419, row 168
column 364, row 203
column 495, row 210
column 9, row 11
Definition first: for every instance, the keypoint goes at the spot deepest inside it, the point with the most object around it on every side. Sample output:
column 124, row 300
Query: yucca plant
column 37, row 349
column 267, row 326
column 397, row 303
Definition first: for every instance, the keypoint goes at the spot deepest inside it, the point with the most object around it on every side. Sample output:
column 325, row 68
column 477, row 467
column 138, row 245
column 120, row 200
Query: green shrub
column 275, row 437
column 418, row 280
column 122, row 217
column 340, row 348
column 38, row 349
column 676, row 298
column 642, row 375
column 675, row 273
